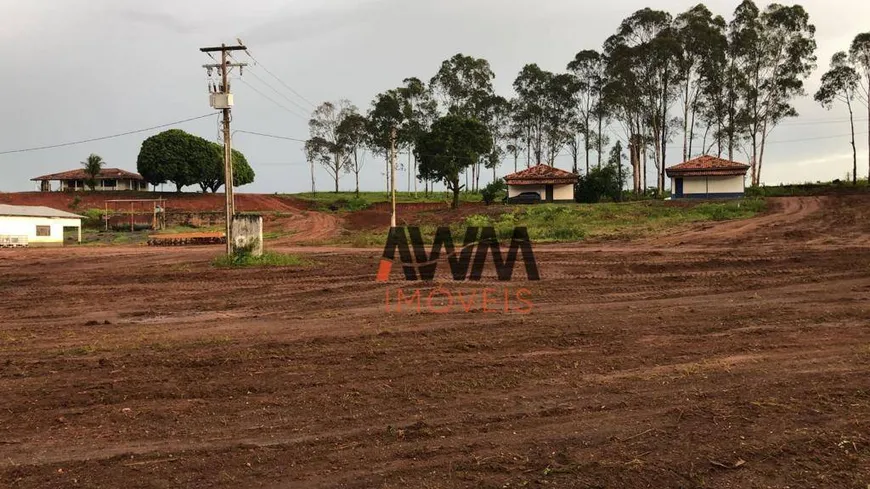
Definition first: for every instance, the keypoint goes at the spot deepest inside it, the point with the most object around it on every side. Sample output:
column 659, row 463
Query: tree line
column 721, row 87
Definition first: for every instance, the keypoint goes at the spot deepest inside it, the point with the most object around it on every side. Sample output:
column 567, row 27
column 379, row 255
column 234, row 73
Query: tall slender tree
column 588, row 68
column 352, row 135
column 859, row 54
column 324, row 146
column 840, row 83
column 776, row 50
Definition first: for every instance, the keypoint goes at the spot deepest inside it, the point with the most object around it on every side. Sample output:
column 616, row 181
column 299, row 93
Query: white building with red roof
column 108, row 179
column 708, row 177
column 551, row 183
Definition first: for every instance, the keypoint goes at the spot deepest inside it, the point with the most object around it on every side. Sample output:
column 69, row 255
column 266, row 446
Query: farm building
column 551, row 183
column 708, row 177
column 24, row 225
column 108, row 179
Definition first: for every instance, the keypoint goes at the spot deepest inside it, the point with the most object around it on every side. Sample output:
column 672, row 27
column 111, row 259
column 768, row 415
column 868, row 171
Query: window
column 43, row 230
column 110, row 183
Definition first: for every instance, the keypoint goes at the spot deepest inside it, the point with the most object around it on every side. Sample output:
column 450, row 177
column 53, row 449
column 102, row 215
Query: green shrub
column 267, row 259
column 494, row 192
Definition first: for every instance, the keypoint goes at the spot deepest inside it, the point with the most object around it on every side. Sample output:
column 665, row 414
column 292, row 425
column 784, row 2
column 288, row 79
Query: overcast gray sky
column 77, row 69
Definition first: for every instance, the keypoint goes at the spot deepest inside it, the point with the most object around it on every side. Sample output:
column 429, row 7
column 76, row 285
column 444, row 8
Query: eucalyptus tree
column 387, row 116
column 352, row 135
column 840, row 84
column 703, row 46
column 859, row 55
column 324, row 146
column 421, row 111
column 496, row 116
column 642, row 73
column 589, row 69
column 531, row 88
column 463, row 84
column 776, row 51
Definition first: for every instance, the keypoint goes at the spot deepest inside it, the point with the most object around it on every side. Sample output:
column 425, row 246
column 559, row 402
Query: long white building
column 24, row 225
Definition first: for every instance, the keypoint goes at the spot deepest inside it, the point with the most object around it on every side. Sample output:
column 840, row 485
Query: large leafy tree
column 211, row 176
column 172, row 156
column 324, row 146
column 859, row 55
column 185, row 159
column 840, row 83
column 93, row 166
column 449, row 147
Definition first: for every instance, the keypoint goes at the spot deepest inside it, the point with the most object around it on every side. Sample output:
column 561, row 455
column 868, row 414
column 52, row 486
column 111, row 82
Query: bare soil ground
column 729, row 355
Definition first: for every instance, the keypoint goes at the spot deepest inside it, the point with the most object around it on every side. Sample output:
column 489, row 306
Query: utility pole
column 222, row 99
column 393, row 175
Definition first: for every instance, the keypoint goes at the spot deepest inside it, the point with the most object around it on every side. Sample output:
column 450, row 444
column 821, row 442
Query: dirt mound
column 179, row 202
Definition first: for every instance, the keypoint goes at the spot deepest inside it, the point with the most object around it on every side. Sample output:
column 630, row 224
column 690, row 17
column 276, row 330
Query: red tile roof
column 541, row 174
column 79, row 174
column 708, row 166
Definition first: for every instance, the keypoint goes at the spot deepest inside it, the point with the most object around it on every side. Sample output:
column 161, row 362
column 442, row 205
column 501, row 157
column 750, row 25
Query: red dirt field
column 729, row 355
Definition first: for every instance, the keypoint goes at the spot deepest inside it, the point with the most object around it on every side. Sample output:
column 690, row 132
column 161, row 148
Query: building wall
column 711, row 186
column 26, row 226
column 560, row 192
column 121, row 184
column 563, row 192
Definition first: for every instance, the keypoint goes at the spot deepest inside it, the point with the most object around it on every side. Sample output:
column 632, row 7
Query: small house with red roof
column 708, row 177
column 551, row 183
column 108, row 179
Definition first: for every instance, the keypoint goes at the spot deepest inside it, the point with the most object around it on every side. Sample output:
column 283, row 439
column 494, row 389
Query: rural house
column 108, row 179
column 24, row 225
column 708, row 177
column 551, row 183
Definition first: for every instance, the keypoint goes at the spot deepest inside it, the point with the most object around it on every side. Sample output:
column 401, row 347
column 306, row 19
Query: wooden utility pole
column 222, row 99
column 393, row 175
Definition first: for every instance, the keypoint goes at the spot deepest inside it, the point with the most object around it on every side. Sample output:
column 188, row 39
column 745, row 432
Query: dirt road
column 733, row 355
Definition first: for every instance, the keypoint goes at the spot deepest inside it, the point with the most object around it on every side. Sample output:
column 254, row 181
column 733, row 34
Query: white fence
column 12, row 241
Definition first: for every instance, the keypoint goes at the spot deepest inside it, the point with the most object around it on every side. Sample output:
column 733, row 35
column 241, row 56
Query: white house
column 708, row 177
column 551, row 183
column 107, row 179
column 22, row 225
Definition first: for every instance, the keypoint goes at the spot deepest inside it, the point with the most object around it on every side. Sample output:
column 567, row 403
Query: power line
column 252, row 73
column 271, row 136
column 288, row 87
column 102, row 138
column 273, row 100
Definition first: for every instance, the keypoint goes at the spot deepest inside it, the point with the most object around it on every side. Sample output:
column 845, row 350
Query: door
column 549, row 191
column 678, row 188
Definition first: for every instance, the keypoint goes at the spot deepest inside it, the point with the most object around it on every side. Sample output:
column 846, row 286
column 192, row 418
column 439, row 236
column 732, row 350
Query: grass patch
column 268, row 259
column 576, row 222
column 805, row 189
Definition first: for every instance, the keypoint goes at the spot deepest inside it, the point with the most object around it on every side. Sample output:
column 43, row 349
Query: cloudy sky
column 80, row 69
